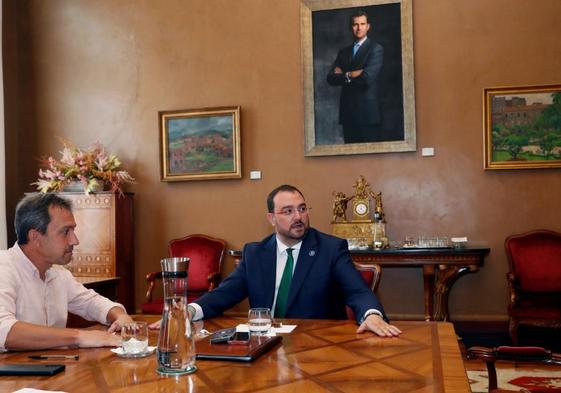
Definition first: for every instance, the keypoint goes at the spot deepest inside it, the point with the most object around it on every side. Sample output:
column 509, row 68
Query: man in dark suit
column 320, row 273
column 356, row 70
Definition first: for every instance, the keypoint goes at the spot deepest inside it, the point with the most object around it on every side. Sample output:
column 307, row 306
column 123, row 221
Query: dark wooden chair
column 205, row 253
column 534, row 280
column 371, row 275
column 490, row 356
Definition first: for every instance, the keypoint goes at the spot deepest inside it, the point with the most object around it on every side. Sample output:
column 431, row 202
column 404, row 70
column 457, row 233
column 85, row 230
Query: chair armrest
column 151, row 280
column 516, row 354
column 512, row 281
column 213, row 280
column 481, row 353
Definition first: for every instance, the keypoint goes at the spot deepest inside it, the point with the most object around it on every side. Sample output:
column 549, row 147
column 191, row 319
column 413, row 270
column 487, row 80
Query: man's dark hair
column 284, row 187
column 357, row 14
column 32, row 212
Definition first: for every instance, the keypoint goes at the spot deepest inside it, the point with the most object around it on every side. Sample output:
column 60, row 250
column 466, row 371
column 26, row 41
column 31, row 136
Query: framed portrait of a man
column 359, row 94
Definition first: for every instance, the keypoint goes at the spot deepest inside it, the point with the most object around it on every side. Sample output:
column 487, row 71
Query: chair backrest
column 205, row 255
column 535, row 260
column 371, row 275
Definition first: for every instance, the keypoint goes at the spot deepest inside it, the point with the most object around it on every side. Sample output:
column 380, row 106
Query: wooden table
column 318, row 356
column 441, row 268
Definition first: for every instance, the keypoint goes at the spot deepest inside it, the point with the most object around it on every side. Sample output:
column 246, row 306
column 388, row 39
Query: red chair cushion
column 154, row 307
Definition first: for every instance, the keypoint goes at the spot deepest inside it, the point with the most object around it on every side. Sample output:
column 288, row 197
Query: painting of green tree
column 526, row 127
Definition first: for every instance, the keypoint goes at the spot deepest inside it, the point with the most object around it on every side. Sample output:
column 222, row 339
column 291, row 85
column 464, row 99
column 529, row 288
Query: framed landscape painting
column 522, row 127
column 364, row 101
column 200, row 144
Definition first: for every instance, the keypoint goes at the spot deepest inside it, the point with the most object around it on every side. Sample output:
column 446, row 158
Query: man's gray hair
column 32, row 212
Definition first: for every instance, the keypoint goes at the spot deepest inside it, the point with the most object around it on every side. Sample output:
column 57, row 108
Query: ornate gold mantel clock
column 365, row 228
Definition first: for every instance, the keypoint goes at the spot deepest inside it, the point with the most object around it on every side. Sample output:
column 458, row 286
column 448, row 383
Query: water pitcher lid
column 175, row 264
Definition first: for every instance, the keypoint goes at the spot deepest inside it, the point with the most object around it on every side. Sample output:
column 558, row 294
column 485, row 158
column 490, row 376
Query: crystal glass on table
column 259, row 321
column 134, row 338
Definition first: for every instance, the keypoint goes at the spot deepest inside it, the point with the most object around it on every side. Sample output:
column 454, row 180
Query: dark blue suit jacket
column 324, row 280
column 359, row 102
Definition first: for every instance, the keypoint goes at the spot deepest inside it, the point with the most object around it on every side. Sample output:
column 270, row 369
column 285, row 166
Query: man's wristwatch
column 348, row 76
column 369, row 313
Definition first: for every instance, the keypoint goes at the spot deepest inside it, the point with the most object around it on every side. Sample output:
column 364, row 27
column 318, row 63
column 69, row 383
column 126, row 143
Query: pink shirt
column 25, row 297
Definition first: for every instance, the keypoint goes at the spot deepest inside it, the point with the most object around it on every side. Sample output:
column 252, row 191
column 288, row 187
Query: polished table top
column 318, row 356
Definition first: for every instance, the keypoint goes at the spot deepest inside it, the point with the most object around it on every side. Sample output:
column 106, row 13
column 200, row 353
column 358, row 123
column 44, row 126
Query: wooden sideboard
column 105, row 229
column 441, row 268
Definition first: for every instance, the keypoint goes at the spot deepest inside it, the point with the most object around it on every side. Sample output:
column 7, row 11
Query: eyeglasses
column 289, row 211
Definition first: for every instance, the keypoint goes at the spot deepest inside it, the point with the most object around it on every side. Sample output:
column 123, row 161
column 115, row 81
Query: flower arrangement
column 93, row 167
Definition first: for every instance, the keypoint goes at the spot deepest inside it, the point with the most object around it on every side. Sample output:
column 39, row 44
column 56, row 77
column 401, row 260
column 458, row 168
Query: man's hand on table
column 121, row 320
column 97, row 338
column 376, row 324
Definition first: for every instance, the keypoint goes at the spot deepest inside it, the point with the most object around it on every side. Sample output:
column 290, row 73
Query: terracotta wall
column 101, row 71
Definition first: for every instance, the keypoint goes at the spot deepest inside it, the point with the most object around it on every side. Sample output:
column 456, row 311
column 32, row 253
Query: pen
column 45, row 357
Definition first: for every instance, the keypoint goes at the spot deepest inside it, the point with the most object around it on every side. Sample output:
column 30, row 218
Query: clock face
column 361, row 208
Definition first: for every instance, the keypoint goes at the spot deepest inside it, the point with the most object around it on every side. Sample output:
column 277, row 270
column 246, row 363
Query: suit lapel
column 268, row 265
column 306, row 258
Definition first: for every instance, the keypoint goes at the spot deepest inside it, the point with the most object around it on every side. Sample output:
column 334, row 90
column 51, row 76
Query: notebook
column 31, row 369
column 256, row 346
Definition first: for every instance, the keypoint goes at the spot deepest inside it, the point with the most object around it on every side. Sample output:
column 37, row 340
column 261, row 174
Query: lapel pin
column 312, row 253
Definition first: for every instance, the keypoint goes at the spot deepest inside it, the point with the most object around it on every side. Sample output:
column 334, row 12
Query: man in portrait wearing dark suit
column 297, row 272
column 356, row 70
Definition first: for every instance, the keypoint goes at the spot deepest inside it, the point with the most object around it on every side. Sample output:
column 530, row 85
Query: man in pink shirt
column 37, row 292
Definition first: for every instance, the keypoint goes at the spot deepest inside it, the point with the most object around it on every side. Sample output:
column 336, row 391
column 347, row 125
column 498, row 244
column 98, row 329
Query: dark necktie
column 284, row 287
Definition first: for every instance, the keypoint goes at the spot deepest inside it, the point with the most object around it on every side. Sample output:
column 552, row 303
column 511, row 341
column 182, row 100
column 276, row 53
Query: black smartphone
column 239, row 338
column 31, row 369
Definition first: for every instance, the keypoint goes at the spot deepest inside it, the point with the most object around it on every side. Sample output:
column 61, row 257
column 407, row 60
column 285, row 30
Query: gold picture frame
column 521, row 127
column 324, row 30
column 200, row 144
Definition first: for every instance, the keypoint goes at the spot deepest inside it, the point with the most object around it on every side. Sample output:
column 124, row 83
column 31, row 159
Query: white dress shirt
column 25, row 297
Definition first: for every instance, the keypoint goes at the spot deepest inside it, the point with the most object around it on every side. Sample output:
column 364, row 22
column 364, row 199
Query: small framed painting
column 522, row 127
column 200, row 144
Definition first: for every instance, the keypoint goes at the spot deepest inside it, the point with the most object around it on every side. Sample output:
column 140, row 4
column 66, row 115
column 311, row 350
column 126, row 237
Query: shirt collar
column 27, row 265
column 281, row 247
column 361, row 41
column 24, row 261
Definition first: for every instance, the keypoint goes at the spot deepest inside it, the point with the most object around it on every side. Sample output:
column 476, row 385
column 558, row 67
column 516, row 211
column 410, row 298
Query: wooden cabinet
column 105, row 229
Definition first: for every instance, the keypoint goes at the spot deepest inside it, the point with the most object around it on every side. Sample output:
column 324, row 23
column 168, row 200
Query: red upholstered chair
column 534, row 280
column 371, row 274
column 205, row 253
column 536, row 355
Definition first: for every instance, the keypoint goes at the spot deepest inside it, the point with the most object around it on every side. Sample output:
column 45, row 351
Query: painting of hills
column 200, row 144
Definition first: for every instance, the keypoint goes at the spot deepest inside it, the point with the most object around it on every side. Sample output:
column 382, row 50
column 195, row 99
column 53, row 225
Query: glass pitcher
column 176, row 344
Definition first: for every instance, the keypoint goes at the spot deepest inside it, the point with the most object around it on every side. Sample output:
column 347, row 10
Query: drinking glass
column 259, row 321
column 134, row 338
